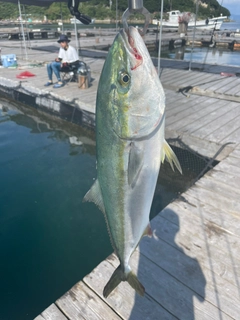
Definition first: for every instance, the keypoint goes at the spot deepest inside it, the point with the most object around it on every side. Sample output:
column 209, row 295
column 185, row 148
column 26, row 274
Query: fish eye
column 124, row 78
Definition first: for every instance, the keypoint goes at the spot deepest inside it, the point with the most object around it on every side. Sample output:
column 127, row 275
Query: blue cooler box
column 9, row 60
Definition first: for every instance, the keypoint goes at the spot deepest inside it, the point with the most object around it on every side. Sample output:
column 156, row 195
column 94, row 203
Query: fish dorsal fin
column 135, row 163
column 95, row 195
column 171, row 157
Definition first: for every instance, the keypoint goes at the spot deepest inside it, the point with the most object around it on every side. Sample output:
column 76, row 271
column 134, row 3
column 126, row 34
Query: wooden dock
column 191, row 267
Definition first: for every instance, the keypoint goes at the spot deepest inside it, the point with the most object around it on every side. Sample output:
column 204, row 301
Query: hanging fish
column 130, row 116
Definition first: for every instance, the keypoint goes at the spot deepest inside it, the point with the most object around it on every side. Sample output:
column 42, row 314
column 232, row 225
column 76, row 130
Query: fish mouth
column 129, row 39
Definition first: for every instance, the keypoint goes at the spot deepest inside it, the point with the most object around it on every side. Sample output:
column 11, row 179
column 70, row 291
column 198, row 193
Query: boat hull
column 208, row 24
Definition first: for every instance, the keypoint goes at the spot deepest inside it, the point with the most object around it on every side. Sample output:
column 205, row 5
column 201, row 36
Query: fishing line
column 23, row 33
column 194, row 32
column 61, row 15
column 212, row 42
column 160, row 39
column 27, row 26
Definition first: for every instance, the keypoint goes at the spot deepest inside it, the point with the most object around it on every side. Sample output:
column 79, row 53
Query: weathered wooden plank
column 205, row 240
column 206, row 84
column 207, row 220
column 228, row 167
column 236, row 153
column 51, row 313
column 166, row 290
column 202, row 209
column 193, row 273
column 225, row 82
column 233, row 137
column 228, row 84
column 208, row 226
column 219, row 188
column 174, row 99
column 230, row 180
column 233, row 161
column 184, row 79
column 190, row 263
column 195, row 118
column 39, row 318
column 187, row 78
column 201, row 79
column 235, row 89
column 215, row 282
column 185, row 104
column 191, row 104
column 167, row 75
column 224, row 203
column 226, row 133
column 223, row 116
column 202, row 117
column 82, row 303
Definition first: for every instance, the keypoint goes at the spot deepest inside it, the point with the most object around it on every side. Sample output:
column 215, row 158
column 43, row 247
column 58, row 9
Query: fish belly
column 128, row 206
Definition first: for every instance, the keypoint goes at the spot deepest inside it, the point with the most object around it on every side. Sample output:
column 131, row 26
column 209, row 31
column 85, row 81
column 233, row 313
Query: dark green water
column 49, row 239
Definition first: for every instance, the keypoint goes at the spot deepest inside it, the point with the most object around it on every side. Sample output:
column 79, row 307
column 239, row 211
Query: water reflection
column 203, row 55
column 59, row 130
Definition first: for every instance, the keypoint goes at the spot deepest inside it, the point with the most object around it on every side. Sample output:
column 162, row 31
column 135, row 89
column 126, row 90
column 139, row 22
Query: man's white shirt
column 70, row 55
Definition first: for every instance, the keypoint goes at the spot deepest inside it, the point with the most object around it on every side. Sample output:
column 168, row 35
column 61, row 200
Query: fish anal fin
column 95, row 195
column 171, row 157
column 148, row 231
column 118, row 276
column 135, row 163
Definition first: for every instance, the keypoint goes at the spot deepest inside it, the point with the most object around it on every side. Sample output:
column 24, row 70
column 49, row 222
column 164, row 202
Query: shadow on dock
column 172, row 278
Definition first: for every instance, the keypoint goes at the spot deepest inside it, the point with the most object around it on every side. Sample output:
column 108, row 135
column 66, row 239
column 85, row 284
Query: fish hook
column 136, row 6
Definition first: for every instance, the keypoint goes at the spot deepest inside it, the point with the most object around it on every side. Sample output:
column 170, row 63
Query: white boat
column 72, row 20
column 176, row 16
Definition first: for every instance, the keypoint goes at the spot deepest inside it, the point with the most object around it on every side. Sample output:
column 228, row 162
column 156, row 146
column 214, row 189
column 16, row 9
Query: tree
column 100, row 9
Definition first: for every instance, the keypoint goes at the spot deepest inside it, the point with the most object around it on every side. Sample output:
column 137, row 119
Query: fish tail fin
column 171, row 157
column 114, row 281
column 119, row 276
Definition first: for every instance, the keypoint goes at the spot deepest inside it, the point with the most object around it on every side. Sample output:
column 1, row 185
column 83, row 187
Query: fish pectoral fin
column 171, row 157
column 135, row 164
column 95, row 195
column 118, row 276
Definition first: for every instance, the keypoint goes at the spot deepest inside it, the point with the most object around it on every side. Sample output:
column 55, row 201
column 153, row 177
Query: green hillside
column 100, row 9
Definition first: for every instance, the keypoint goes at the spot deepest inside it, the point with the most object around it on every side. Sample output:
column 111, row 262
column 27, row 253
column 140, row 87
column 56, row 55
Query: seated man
column 67, row 57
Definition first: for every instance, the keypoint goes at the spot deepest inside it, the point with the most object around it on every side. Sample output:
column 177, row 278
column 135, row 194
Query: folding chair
column 69, row 73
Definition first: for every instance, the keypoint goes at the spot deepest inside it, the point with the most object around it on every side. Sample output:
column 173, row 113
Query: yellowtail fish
column 130, row 116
